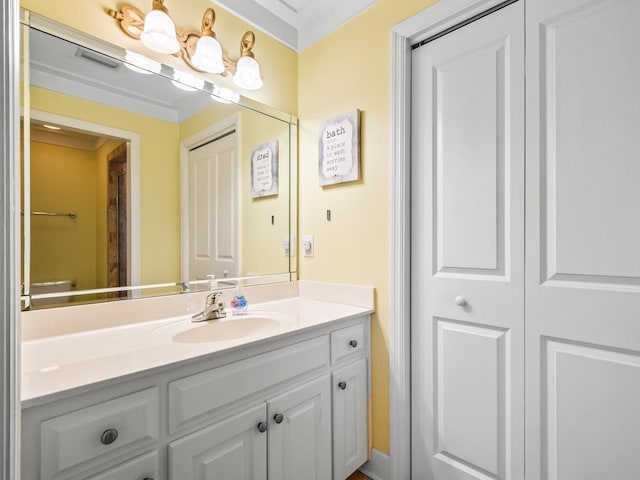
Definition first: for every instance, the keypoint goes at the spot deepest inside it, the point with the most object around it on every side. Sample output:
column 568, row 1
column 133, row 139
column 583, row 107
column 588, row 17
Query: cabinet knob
column 342, row 385
column 109, row 436
column 460, row 301
column 262, row 427
column 278, row 418
column 147, row 478
column 353, row 343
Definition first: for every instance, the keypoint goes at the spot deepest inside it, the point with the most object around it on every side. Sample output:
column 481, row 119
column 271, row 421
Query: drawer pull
column 262, row 427
column 278, row 418
column 342, row 385
column 353, row 343
column 109, row 436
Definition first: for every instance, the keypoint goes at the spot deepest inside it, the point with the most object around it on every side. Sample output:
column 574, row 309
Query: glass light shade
column 159, row 33
column 248, row 74
column 208, row 55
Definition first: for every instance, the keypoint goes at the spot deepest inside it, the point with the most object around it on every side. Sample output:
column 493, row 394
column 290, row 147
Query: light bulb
column 224, row 95
column 186, row 81
column 141, row 64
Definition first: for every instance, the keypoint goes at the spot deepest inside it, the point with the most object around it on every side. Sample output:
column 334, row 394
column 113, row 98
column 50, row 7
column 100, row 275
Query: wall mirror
column 140, row 182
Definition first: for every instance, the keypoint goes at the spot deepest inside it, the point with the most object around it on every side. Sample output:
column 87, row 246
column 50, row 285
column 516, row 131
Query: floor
column 358, row 476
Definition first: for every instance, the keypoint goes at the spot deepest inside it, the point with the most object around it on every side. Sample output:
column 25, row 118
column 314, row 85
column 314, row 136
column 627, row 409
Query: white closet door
column 583, row 240
column 213, row 209
column 468, row 251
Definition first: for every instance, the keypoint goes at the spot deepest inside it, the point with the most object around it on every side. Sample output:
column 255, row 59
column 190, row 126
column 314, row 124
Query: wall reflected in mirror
column 135, row 181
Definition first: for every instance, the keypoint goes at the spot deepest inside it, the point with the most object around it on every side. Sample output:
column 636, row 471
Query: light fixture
column 159, row 32
column 51, row 127
column 186, row 81
column 141, row 64
column 199, row 49
column 224, row 95
column 247, row 69
column 203, row 51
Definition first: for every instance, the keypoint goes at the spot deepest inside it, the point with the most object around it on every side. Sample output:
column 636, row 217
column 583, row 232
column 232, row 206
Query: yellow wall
column 159, row 177
column 349, row 69
column 63, row 180
column 262, row 241
column 278, row 64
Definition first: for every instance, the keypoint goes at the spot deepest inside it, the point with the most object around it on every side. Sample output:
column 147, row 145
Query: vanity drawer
column 79, row 437
column 141, row 468
column 346, row 342
column 203, row 393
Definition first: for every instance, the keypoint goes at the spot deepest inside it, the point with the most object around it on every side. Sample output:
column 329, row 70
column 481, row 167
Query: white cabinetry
column 350, row 418
column 141, row 468
column 289, row 408
column 300, row 432
column 232, row 449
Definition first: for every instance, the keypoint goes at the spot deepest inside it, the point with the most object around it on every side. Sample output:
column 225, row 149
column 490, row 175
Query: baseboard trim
column 378, row 468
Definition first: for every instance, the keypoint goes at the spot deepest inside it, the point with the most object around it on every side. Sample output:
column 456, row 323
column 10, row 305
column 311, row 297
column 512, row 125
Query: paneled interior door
column 583, row 240
column 467, row 251
column 214, row 212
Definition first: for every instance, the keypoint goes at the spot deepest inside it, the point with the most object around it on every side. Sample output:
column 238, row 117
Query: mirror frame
column 30, row 19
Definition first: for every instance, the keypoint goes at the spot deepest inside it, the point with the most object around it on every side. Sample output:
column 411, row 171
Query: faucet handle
column 212, row 298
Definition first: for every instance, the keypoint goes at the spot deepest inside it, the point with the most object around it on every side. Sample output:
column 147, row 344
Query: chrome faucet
column 213, row 309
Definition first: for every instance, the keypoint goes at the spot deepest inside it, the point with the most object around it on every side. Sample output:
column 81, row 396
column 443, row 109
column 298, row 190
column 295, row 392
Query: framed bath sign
column 339, row 144
column 264, row 170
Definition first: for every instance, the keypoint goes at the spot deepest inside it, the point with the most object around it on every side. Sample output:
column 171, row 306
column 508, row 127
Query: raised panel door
column 232, row 449
column 350, row 418
column 583, row 237
column 467, row 251
column 213, row 209
column 300, row 432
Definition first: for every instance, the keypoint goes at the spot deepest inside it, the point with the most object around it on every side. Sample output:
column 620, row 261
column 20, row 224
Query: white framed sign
column 339, row 149
column 264, row 170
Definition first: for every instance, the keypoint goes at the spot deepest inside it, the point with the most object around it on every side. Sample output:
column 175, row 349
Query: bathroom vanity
column 280, row 393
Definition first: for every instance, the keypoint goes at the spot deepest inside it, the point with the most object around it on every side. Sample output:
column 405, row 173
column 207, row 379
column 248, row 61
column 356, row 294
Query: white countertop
column 61, row 362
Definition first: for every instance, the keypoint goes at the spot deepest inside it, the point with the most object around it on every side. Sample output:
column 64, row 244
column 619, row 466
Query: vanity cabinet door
column 232, row 449
column 300, row 432
column 350, row 418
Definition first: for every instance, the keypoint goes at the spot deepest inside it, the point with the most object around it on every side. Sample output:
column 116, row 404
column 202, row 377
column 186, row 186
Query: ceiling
column 297, row 23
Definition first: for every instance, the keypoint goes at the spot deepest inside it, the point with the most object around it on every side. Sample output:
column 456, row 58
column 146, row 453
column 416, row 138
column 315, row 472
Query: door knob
column 460, row 301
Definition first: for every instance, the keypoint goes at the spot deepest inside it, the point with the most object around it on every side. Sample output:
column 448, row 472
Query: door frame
column 423, row 25
column 232, row 122
column 133, row 179
column 9, row 263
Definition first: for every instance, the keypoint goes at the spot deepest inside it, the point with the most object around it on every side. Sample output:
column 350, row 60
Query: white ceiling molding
column 296, row 23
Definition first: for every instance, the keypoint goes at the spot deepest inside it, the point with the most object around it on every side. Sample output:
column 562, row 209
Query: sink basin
column 230, row 328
